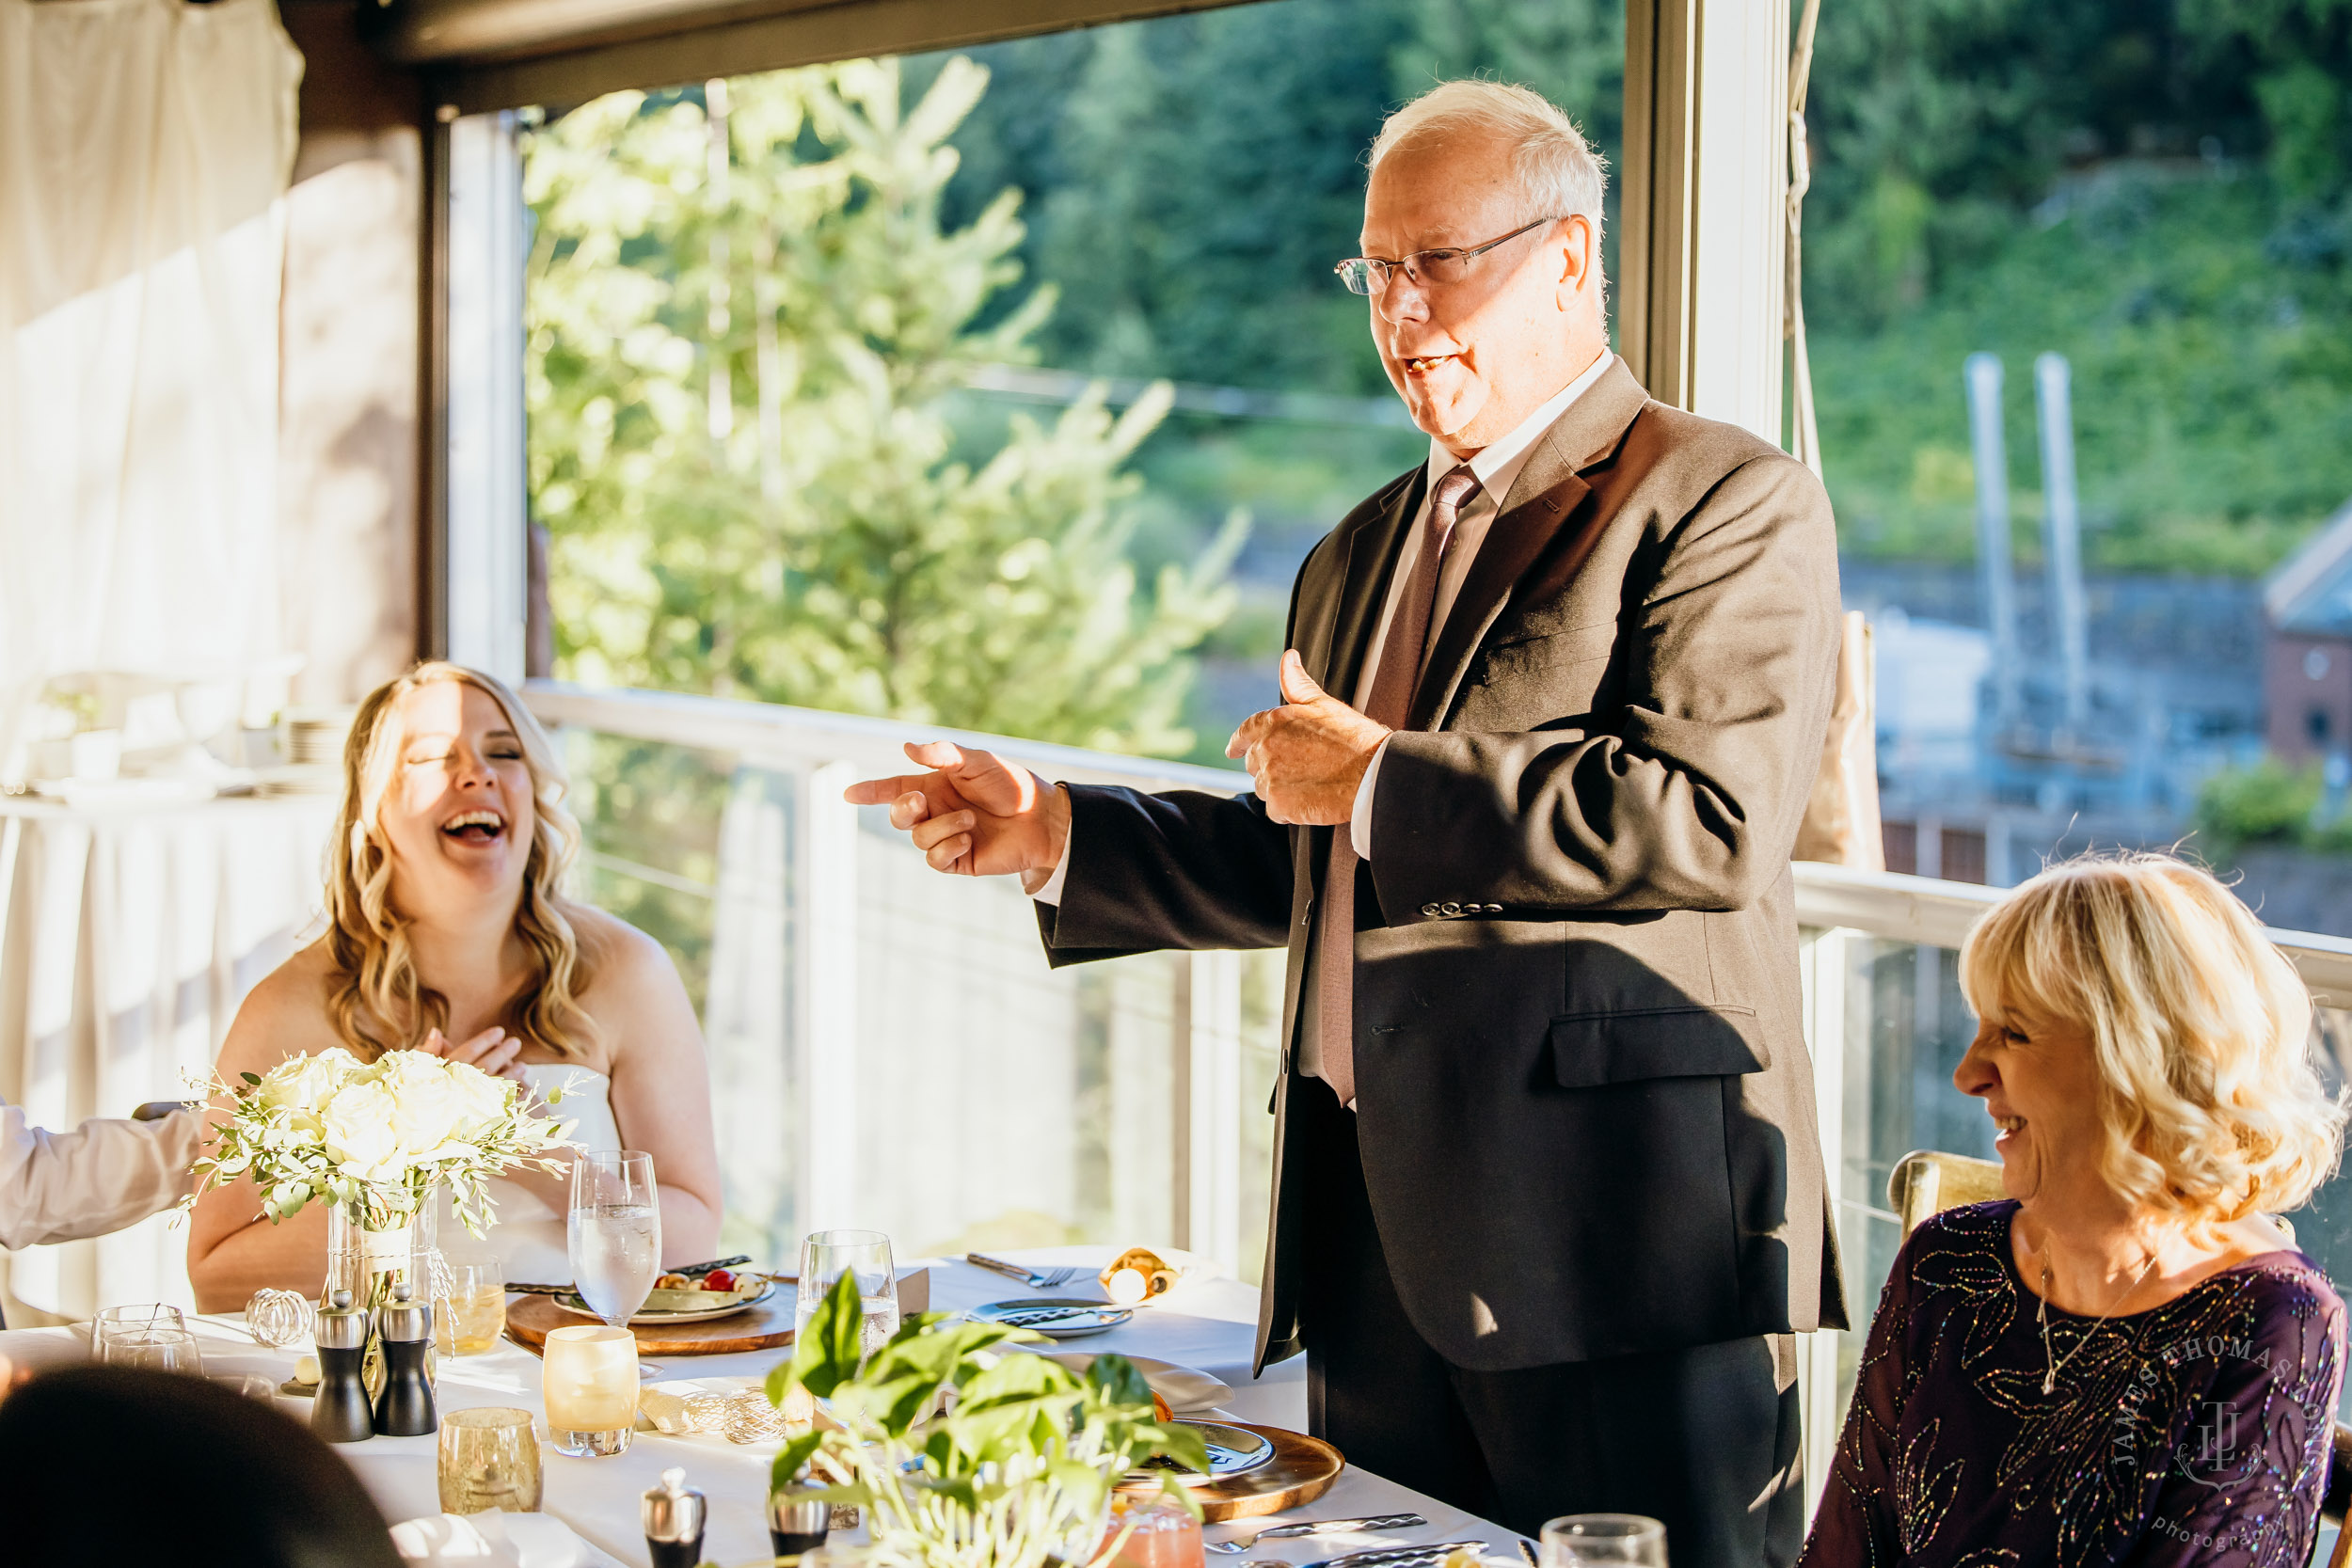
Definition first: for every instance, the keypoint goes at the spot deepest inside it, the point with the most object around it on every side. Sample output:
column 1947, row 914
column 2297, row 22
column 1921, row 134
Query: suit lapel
column 1547, row 492
column 1366, row 555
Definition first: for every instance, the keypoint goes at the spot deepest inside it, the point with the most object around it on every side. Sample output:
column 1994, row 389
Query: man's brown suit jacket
column 1585, row 1107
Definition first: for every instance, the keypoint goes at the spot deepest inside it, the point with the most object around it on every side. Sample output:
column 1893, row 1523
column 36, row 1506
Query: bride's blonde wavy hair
column 375, row 998
column 2200, row 1028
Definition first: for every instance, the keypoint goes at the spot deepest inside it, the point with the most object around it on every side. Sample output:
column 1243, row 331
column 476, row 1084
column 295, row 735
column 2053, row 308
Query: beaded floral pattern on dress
column 2195, row 1433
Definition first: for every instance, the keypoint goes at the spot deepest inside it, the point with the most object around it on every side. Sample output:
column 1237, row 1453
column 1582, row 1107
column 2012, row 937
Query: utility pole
column 2061, row 532
column 1983, row 376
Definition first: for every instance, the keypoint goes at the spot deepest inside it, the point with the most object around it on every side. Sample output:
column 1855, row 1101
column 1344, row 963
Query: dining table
column 1206, row 1323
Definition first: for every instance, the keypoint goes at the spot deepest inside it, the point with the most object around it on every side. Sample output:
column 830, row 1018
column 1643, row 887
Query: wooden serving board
column 762, row 1326
column 1301, row 1471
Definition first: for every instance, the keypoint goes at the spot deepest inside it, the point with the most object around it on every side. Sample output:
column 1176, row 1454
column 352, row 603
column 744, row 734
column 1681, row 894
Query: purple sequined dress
column 2194, row 1434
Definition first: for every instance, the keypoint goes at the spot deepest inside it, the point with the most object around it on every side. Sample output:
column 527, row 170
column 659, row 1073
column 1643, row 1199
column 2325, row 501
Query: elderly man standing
column 1548, row 1199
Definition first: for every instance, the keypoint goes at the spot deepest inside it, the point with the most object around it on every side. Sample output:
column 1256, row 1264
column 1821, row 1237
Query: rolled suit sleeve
column 100, row 1176
column 1686, row 796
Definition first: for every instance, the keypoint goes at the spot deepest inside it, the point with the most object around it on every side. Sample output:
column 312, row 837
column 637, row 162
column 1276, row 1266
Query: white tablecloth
column 1207, row 1326
column 128, row 937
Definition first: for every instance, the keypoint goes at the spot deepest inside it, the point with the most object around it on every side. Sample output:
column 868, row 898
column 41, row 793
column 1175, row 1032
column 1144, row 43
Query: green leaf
column 831, row 1344
column 795, row 1453
column 1119, row 1380
column 252, row 1078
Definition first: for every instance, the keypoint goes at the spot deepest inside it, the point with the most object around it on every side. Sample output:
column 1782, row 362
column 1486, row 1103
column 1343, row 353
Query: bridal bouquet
column 372, row 1139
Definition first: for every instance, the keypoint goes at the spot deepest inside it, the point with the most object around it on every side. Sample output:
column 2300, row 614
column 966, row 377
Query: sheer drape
column 145, row 148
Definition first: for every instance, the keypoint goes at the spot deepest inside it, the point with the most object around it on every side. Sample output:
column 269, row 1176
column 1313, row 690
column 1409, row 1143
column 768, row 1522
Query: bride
column 448, row 934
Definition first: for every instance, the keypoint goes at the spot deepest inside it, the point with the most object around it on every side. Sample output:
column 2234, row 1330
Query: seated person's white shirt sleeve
column 1360, row 817
column 104, row 1174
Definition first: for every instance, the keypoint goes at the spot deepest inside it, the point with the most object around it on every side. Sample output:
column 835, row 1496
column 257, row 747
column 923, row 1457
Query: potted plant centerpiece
column 965, row 1456
column 374, row 1141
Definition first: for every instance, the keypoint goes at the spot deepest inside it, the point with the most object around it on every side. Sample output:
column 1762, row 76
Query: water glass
column 1578, row 1539
column 490, row 1462
column 160, row 1348
column 826, row 1256
column 589, row 1381
column 616, row 1232
column 474, row 1315
column 135, row 1319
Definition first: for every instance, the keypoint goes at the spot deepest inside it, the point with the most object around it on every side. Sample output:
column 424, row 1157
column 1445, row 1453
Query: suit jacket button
column 1429, row 909
column 1494, row 909
column 1450, row 908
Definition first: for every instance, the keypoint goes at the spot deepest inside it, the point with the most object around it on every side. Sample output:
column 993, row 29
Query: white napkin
column 1187, row 1391
column 483, row 1540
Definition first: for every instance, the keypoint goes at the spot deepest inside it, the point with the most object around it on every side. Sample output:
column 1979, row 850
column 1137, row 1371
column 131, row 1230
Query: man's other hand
column 1307, row 756
column 973, row 814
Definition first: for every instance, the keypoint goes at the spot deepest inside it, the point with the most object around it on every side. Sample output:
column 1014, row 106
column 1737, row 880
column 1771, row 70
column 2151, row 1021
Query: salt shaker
column 796, row 1524
column 674, row 1514
column 339, row 1411
column 405, row 1408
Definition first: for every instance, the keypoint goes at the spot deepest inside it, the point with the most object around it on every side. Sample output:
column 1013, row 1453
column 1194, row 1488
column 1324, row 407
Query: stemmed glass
column 826, row 1256
column 614, row 1233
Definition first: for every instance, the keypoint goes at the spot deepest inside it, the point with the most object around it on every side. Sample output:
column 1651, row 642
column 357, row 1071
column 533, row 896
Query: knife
column 1322, row 1527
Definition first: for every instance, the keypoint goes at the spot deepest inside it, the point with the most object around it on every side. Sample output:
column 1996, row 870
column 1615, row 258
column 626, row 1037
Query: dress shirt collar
column 1497, row 468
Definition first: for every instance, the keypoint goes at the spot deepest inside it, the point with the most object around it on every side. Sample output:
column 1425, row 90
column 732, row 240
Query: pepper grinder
column 339, row 1411
column 674, row 1514
column 405, row 1408
column 795, row 1524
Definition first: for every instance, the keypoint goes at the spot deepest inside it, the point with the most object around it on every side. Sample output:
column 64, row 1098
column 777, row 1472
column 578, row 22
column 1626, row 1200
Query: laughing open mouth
column 474, row 826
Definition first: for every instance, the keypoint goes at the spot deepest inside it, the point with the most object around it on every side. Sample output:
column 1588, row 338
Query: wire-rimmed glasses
column 1370, row 274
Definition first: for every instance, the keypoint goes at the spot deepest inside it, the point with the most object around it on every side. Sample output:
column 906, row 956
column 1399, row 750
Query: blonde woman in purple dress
column 2124, row 1362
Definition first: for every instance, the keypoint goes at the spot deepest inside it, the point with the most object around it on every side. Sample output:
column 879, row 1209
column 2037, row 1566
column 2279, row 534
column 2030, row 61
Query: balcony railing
column 890, row 1049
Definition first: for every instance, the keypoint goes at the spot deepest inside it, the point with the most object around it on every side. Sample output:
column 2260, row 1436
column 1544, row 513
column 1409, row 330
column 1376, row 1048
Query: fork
column 1321, row 1527
column 1036, row 1279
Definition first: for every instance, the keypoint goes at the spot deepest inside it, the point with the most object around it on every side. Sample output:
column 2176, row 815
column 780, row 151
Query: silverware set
column 1330, row 1527
column 1037, row 1279
column 1394, row 1556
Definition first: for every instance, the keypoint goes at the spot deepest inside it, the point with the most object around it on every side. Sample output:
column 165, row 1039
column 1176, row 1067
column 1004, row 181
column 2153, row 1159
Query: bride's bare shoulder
column 614, row 951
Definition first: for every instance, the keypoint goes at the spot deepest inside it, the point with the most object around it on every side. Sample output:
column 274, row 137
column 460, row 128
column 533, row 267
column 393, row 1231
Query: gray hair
column 1558, row 172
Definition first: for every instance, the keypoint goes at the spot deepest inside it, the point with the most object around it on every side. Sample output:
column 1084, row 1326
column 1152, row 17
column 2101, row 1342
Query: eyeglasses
column 1368, row 275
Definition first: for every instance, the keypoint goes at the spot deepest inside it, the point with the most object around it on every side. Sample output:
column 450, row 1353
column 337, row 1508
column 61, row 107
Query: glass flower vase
column 368, row 1256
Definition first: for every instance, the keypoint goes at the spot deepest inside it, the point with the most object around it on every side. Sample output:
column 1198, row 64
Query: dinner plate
column 570, row 1301
column 1233, row 1451
column 1056, row 1317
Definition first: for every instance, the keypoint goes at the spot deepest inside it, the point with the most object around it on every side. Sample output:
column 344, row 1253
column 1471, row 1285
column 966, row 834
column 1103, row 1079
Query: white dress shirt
column 1497, row 468
column 102, row 1176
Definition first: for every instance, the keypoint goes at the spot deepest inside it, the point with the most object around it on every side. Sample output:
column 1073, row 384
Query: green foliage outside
column 742, row 315
column 2269, row 802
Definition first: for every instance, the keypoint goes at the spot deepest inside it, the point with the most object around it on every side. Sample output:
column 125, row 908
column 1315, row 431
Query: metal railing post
column 1214, row 1123
column 825, row 922
column 1823, row 971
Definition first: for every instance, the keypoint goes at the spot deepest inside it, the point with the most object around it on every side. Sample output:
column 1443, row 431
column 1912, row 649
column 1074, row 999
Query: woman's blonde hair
column 375, row 1000
column 2201, row 1030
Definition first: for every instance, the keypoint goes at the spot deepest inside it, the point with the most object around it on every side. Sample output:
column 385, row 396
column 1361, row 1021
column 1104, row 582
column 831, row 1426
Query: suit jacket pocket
column 1592, row 1049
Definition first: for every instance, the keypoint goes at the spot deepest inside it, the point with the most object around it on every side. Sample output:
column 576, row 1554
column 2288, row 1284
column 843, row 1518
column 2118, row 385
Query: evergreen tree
column 744, row 312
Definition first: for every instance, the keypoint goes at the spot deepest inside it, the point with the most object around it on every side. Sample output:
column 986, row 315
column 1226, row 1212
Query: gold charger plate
column 1301, row 1471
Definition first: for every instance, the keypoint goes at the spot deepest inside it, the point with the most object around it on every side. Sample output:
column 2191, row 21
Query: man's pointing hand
column 1307, row 756
column 973, row 814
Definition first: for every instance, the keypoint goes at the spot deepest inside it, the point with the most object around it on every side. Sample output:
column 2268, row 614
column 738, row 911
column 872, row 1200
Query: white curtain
column 145, row 150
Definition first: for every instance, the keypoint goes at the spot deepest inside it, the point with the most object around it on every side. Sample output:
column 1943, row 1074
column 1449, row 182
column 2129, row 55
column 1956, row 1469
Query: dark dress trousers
column 1584, row 1159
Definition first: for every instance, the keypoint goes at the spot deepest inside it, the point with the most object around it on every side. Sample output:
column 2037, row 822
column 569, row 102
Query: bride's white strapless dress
column 529, row 1239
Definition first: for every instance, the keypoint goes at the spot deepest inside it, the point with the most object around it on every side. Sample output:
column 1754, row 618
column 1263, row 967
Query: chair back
column 1928, row 1182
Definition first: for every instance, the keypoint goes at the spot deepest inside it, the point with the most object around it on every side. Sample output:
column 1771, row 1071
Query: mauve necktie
column 1390, row 703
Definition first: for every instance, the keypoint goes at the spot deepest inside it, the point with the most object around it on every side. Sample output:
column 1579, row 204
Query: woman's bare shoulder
column 617, row 954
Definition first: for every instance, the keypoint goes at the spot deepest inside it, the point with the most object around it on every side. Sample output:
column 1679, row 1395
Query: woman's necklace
column 2057, row 1362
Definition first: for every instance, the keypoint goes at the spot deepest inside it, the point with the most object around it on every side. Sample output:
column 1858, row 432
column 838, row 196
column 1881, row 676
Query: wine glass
column 826, row 1256
column 1578, row 1539
column 614, row 1233
column 137, row 1323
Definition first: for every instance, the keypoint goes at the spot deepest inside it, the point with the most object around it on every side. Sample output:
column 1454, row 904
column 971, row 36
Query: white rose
column 425, row 1103
column 305, row 1082
column 360, row 1139
column 481, row 1099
